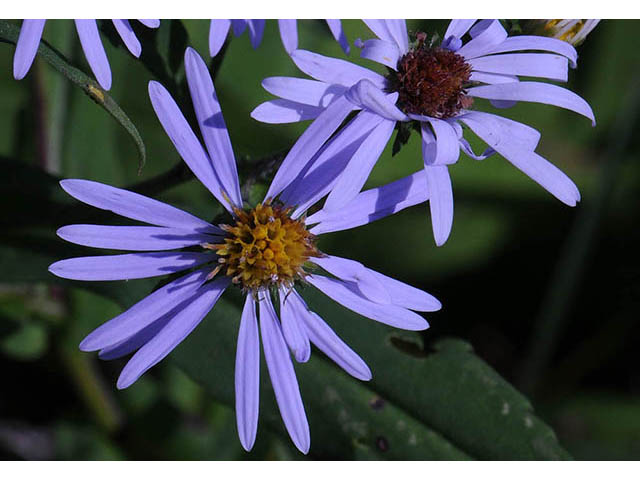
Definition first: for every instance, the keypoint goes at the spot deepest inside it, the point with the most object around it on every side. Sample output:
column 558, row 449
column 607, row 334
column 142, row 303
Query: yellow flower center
column 265, row 247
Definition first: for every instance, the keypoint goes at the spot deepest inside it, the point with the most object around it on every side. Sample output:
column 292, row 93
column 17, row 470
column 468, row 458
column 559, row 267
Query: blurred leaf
column 9, row 33
column 443, row 405
column 29, row 342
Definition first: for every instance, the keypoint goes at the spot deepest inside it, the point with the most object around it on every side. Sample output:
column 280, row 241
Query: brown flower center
column 265, row 247
column 430, row 81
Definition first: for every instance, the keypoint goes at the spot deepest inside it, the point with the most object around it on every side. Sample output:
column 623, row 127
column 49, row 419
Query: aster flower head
column 219, row 29
column 31, row 32
column 434, row 87
column 267, row 251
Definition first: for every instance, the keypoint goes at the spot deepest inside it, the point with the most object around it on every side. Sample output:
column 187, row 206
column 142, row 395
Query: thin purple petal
column 128, row 36
column 128, row 266
column 212, row 125
column 135, row 206
column 283, row 376
column 256, row 30
column 352, row 271
column 354, row 176
column 458, row 27
column 185, row 141
column 389, row 314
column 289, row 34
column 294, row 333
column 218, row 31
column 150, row 23
column 247, row 375
column 132, row 238
column 338, row 33
column 373, row 204
column 284, row 111
column 485, row 34
column 535, row 92
column 176, row 330
column 309, row 143
column 544, row 65
column 144, row 313
column 381, row 51
column 94, row 51
column 333, row 70
column 531, row 42
column 27, row 47
column 302, row 90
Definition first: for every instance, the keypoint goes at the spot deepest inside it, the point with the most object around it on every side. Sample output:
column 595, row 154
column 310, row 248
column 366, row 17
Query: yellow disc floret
column 264, row 247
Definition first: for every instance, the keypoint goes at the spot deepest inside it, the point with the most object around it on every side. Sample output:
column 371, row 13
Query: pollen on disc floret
column 265, row 247
column 431, row 80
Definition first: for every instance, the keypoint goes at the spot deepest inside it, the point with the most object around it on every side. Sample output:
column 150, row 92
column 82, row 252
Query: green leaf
column 9, row 33
column 446, row 404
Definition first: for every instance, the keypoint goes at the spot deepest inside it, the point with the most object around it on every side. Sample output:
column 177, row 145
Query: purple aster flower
column 434, row 88
column 31, row 32
column 219, row 30
column 267, row 251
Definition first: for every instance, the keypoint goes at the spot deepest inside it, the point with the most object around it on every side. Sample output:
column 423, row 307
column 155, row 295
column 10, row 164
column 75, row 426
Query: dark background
column 548, row 295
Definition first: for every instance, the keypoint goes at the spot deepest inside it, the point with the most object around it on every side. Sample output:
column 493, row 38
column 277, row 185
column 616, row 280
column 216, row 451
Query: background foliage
column 538, row 298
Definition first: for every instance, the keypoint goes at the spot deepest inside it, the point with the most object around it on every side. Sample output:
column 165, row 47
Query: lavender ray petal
column 440, row 201
column 398, row 30
column 457, row 28
column 218, row 31
column 137, row 340
column 444, row 148
column 381, row 30
column 373, row 204
column 127, row 266
column 132, row 238
column 406, row 296
column 212, row 124
column 284, row 111
column 256, row 31
column 535, row 92
column 94, row 51
column 532, row 42
column 334, row 70
column 492, row 78
column 537, row 168
column 309, row 143
column 176, row 330
column 27, row 47
column 294, row 333
column 338, row 33
column 352, row 271
column 524, row 136
column 145, row 312
column 544, row 65
column 129, row 38
column 150, row 23
column 323, row 337
column 283, row 376
column 247, row 375
column 239, row 26
column 319, row 178
column 354, row 176
column 381, row 51
column 366, row 95
column 135, row 206
column 388, row 314
column 185, row 141
column 289, row 34
column 485, row 34
column 302, row 90
column 466, row 148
